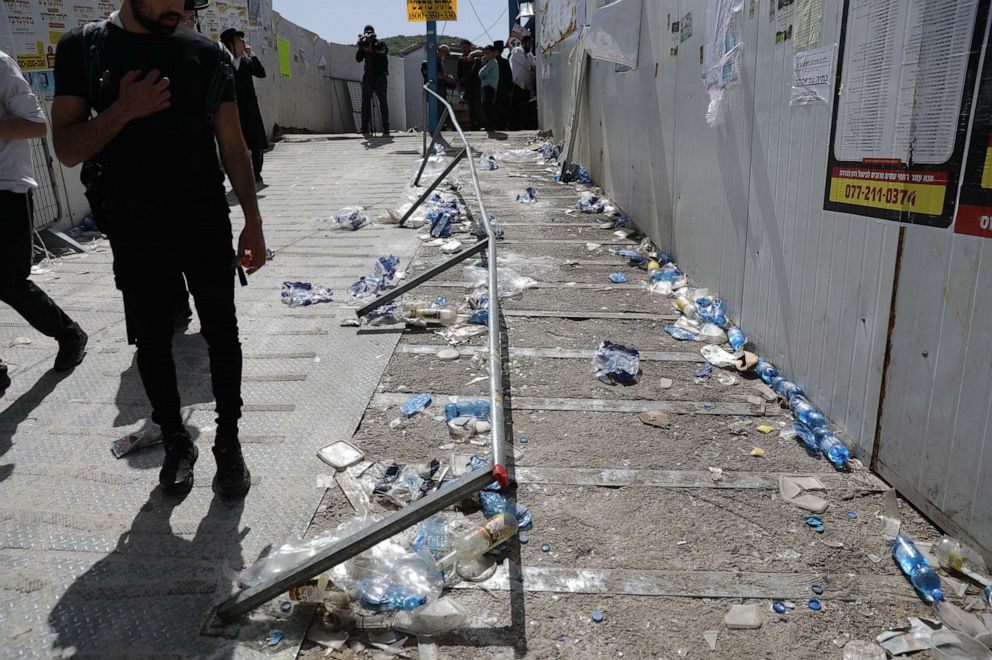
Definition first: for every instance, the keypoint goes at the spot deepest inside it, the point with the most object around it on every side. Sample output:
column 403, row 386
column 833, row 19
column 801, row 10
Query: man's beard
column 154, row 24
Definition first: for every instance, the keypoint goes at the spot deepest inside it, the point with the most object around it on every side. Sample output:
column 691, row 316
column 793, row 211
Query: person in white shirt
column 522, row 64
column 22, row 119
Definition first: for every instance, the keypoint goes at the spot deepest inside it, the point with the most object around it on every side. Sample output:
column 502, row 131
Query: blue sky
column 340, row 21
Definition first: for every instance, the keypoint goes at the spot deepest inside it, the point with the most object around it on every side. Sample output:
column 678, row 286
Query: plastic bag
column 488, row 162
column 519, row 156
column 398, row 483
column 508, row 281
column 527, row 196
column 302, row 294
column 614, row 363
column 351, row 218
column 590, row 203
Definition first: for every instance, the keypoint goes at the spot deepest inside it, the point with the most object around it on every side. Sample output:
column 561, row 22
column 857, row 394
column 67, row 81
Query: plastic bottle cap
column 285, row 606
column 597, row 616
column 524, row 539
column 545, row 547
column 852, row 514
column 817, row 589
column 938, row 595
column 778, row 606
column 814, row 604
column 523, row 439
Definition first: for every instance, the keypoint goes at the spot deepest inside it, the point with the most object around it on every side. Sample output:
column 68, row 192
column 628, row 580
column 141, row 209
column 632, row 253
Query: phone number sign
column 418, row 11
column 974, row 215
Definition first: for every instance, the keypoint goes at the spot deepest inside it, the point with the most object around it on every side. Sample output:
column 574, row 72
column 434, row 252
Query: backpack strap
column 94, row 35
column 222, row 74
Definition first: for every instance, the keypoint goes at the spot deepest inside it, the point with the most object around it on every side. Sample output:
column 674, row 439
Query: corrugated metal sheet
column 741, row 207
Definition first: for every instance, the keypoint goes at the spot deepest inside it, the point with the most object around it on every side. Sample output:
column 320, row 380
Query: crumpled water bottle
column 915, row 566
column 415, row 404
column 478, row 409
column 617, row 364
column 527, row 196
column 736, row 338
column 766, row 371
column 711, row 310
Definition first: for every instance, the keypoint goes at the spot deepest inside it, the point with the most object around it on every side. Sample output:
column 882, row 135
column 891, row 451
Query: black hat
column 228, row 35
column 196, row 5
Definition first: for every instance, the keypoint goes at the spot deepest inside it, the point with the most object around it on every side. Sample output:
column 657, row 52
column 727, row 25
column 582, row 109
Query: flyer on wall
column 974, row 214
column 899, row 128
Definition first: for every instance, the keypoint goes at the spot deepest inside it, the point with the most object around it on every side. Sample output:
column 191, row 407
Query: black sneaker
column 176, row 476
column 233, row 478
column 72, row 348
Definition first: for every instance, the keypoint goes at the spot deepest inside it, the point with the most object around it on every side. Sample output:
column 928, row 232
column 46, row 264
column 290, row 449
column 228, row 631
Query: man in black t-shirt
column 164, row 203
column 376, row 79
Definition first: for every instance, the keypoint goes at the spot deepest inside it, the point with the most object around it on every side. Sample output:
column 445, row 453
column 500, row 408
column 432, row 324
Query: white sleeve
column 517, row 60
column 15, row 93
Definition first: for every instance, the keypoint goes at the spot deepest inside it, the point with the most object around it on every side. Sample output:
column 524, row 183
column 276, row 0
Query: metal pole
column 451, row 493
column 573, row 131
column 432, row 73
column 511, row 15
column 427, row 150
column 423, row 120
column 430, row 188
column 423, row 277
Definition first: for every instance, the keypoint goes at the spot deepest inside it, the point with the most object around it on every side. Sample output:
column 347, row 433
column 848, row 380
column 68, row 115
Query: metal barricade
column 453, row 491
column 47, row 204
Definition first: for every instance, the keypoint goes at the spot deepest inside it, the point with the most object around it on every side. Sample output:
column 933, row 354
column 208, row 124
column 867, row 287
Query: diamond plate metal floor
column 93, row 562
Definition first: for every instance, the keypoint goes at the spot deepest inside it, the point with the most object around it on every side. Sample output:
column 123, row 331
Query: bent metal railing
column 452, row 492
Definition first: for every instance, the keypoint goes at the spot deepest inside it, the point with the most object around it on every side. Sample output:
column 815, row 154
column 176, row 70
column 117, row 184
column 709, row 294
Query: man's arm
column 21, row 129
column 78, row 138
column 257, row 69
column 237, row 164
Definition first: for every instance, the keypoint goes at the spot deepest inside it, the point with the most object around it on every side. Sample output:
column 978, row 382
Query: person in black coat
column 504, row 89
column 247, row 66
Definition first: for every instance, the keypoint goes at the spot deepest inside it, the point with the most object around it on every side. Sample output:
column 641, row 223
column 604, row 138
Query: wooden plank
column 731, row 479
column 580, row 315
column 551, row 353
column 388, row 399
column 696, row 584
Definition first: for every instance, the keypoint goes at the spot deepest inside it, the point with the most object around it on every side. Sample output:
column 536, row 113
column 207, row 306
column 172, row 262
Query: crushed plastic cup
column 488, row 162
column 351, row 218
column 590, row 203
column 527, row 196
column 303, row 294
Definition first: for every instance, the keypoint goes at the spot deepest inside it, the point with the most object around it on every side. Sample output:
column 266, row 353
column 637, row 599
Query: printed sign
column 558, row 20
column 812, row 71
column 418, row 11
column 898, row 130
column 974, row 216
column 285, row 58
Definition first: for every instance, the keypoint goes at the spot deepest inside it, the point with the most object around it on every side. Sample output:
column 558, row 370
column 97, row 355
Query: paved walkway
column 91, row 557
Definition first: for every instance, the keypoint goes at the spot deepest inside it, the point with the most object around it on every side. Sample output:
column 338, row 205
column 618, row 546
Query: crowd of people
column 499, row 91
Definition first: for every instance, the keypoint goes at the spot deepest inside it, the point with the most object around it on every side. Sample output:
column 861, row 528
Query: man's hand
column 253, row 239
column 145, row 97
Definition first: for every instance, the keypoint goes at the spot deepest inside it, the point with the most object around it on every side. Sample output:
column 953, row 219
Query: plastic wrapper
column 135, row 441
column 681, row 333
column 508, row 281
column 479, row 231
column 415, row 404
column 578, row 174
column 286, row 557
column 488, row 162
column 590, row 203
column 632, row 257
column 712, row 333
column 618, row 278
column 302, row 294
column 711, row 310
column 527, row 196
column 441, row 221
column 456, row 335
column 351, row 218
column 614, row 363
column 398, row 483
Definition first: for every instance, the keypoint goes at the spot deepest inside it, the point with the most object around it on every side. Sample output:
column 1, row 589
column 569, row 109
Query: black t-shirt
column 165, row 166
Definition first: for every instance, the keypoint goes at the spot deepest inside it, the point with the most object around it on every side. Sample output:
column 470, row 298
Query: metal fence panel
column 47, row 204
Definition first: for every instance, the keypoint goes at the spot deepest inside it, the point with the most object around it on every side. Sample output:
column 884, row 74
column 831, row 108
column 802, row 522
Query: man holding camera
column 375, row 55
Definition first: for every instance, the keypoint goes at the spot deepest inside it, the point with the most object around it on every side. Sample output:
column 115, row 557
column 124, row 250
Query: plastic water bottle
column 439, row 315
column 786, row 388
column 482, row 539
column 952, row 553
column 807, row 436
column 835, row 450
column 987, row 595
column 711, row 310
column 687, row 307
column 434, row 536
column 477, row 409
column 668, row 273
column 806, row 412
column 736, row 338
column 766, row 371
column 914, row 565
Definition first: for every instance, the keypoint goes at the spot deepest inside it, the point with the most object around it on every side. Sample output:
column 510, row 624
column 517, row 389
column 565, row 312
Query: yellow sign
column 418, row 11
column 987, row 170
column 285, row 59
column 907, row 192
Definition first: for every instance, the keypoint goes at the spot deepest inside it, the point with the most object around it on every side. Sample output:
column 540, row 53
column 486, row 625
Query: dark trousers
column 489, row 120
column 520, row 109
column 257, row 157
column 375, row 86
column 15, row 266
column 148, row 291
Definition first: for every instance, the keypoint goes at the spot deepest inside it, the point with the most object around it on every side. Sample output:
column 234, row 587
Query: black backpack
column 98, row 79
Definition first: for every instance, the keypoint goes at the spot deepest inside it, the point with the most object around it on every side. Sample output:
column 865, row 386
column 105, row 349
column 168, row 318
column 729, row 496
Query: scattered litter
column 20, row 341
column 816, row 523
column 448, row 354
column 858, row 649
column 704, row 371
column 743, row 617
column 950, row 644
column 597, row 616
column 837, row 545
column 340, row 455
column 717, row 357
column 590, row 203
column 136, row 441
column 593, row 246
column 527, row 196
column 778, row 606
column 916, row 568
column 451, row 247
column 488, row 162
column 666, row 383
column 817, row 589
column 710, row 636
column 716, row 473
column 726, row 379
column 274, row 638
column 655, row 418
column 680, row 334
column 545, row 547
column 618, row 278
column 614, row 363
column 815, row 605
column 916, row 636
column 351, row 218
column 303, row 294
column 765, row 428
column 758, row 452
column 524, row 539
column 853, row 515
column 875, row 559
column 415, row 404
column 955, row 618
column 765, row 392
column 800, row 491
column 398, row 483
column 519, row 156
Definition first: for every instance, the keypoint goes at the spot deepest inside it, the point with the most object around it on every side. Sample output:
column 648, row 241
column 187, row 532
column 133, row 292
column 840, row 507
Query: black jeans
column 148, row 293
column 15, row 266
column 375, row 86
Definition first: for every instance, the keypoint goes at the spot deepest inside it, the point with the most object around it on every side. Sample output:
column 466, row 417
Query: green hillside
column 400, row 43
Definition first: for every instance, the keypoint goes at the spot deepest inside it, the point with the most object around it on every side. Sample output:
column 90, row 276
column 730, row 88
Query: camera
column 367, row 40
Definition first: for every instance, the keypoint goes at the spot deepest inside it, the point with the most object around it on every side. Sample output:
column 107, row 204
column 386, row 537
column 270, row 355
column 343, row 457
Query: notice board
column 904, row 86
column 974, row 216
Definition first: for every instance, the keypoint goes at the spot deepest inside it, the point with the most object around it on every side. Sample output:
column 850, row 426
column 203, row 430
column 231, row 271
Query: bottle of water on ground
column 766, row 371
column 952, row 553
column 914, row 565
column 806, row 412
column 477, row 409
column 786, row 388
column 835, row 450
column 482, row 539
